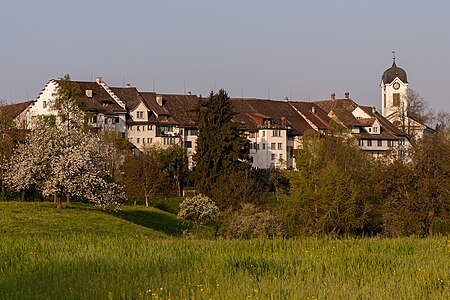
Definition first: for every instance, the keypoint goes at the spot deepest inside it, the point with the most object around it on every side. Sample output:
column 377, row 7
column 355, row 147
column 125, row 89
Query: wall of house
column 269, row 148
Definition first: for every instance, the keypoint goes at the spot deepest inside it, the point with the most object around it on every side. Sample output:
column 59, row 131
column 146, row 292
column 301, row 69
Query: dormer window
column 140, row 114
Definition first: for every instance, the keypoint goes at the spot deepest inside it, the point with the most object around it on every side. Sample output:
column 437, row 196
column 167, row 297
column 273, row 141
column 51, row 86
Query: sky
column 304, row 50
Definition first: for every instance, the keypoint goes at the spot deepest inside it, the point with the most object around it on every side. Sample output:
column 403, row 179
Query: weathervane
column 393, row 55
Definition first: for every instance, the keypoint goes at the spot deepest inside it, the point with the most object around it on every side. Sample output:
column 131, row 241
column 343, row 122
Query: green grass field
column 139, row 253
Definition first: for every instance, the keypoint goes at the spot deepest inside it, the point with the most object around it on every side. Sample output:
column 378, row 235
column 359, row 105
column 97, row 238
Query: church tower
column 394, row 86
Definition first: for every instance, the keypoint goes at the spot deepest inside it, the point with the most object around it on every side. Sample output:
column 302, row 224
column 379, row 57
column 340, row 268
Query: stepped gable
column 12, row 111
column 280, row 113
column 313, row 113
column 180, row 108
column 129, row 95
column 100, row 100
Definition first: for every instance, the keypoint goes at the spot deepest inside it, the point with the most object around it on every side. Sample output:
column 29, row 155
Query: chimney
column 333, row 96
column 374, row 110
column 88, row 93
column 98, row 79
column 128, row 85
column 159, row 100
column 189, row 93
column 286, row 99
column 347, row 95
column 283, row 122
column 313, row 110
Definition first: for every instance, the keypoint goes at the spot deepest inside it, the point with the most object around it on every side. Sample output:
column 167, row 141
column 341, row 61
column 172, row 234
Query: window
column 251, row 135
column 149, row 140
column 149, row 127
column 117, row 120
column 181, row 131
column 360, row 143
column 375, row 129
column 396, row 99
column 272, row 156
column 401, row 142
column 138, row 140
column 138, row 128
column 370, row 129
column 369, row 143
column 281, row 156
column 255, row 146
column 280, row 146
column 263, row 133
column 194, row 131
column 380, row 143
column 272, row 146
column 140, row 114
column 188, row 144
column 264, row 146
column 276, row 133
column 44, row 104
column 390, row 143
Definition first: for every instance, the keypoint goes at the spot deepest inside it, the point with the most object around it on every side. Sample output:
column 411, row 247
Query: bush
column 250, row 222
column 198, row 210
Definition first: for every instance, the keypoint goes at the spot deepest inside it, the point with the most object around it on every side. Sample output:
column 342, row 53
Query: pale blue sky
column 300, row 49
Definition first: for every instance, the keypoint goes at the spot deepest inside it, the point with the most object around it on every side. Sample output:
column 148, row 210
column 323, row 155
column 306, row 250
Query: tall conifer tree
column 221, row 148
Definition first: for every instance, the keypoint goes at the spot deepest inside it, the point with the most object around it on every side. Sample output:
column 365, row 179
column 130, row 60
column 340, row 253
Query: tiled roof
column 279, row 111
column 129, row 95
column 12, row 111
column 100, row 101
column 366, row 122
column 181, row 108
column 328, row 105
column 313, row 113
column 150, row 101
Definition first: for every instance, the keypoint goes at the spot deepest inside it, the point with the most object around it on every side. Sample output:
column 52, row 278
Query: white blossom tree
column 64, row 164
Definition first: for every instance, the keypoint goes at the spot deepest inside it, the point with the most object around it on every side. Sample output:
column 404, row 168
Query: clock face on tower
column 396, row 86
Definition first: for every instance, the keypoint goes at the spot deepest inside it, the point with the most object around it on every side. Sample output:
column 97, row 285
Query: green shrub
column 250, row 222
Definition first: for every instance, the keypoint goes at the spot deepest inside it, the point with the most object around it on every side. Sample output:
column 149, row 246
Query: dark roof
column 12, row 111
column 100, row 101
column 385, row 123
column 129, row 95
column 279, row 111
column 393, row 72
column 150, row 101
column 180, row 108
column 313, row 113
column 328, row 105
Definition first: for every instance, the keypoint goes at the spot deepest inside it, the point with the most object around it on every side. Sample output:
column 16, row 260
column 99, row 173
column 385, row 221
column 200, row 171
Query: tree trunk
column 67, row 198
column 146, row 200
column 57, row 201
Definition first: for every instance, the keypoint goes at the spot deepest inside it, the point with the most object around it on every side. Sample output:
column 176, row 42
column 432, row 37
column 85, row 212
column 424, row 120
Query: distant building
column 274, row 129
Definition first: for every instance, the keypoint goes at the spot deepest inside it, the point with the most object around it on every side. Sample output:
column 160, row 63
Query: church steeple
column 394, row 85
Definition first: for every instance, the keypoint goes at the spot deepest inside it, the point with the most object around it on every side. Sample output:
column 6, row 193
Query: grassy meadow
column 139, row 253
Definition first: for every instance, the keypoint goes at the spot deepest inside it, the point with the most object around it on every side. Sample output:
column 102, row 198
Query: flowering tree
column 198, row 210
column 60, row 163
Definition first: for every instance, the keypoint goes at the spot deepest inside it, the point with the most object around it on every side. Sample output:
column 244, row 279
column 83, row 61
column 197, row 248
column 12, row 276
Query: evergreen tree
column 221, row 148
